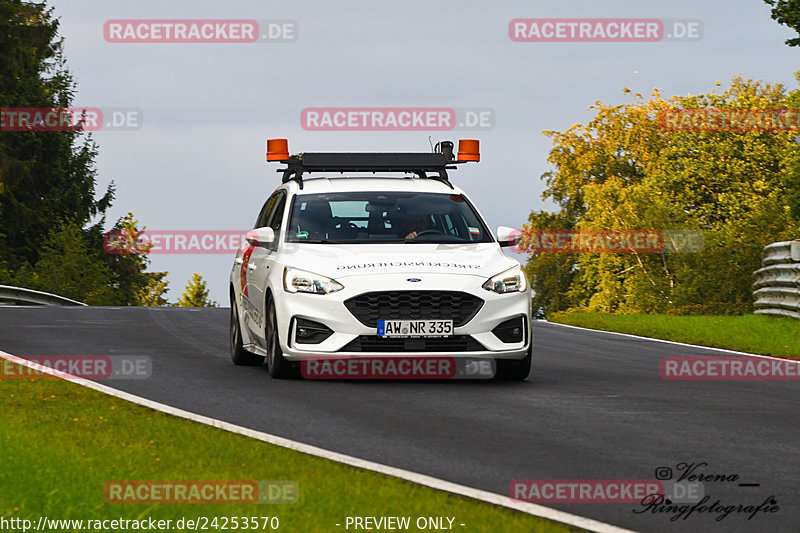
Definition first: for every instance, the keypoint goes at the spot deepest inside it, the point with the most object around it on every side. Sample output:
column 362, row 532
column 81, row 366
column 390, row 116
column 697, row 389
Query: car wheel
column 277, row 365
column 239, row 355
column 514, row 369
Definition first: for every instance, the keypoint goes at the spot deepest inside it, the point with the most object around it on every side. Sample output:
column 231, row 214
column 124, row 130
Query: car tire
column 239, row 355
column 277, row 365
column 514, row 369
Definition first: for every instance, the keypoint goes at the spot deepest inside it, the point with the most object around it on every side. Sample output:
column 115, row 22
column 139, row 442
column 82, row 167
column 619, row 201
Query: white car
column 400, row 266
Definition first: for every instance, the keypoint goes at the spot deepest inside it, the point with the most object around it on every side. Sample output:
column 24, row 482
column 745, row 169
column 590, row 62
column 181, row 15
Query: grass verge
column 767, row 335
column 63, row 442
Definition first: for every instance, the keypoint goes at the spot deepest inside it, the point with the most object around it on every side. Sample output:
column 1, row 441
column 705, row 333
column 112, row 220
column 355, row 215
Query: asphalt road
column 594, row 408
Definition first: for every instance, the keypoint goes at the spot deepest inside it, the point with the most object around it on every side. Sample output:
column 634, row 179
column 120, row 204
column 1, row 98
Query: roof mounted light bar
column 438, row 162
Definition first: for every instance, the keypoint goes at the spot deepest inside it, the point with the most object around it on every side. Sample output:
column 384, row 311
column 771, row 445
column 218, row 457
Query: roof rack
column 437, row 162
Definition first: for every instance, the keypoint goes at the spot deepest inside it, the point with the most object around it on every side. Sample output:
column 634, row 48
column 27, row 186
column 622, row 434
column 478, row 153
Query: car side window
column 276, row 216
column 266, row 211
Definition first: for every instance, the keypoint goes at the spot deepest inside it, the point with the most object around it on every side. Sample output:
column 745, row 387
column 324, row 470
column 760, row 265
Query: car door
column 257, row 263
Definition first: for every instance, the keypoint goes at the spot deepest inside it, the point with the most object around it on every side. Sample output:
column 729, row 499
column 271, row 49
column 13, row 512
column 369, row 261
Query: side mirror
column 260, row 236
column 508, row 236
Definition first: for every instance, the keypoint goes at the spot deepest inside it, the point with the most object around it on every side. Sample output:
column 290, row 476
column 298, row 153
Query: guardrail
column 776, row 290
column 30, row 296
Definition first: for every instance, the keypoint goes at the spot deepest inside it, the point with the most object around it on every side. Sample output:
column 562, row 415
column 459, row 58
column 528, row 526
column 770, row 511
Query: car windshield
column 384, row 217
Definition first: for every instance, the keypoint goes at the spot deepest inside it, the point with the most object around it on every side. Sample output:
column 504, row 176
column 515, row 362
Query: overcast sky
column 197, row 162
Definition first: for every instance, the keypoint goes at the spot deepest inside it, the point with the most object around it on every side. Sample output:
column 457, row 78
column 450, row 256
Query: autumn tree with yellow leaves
column 624, row 170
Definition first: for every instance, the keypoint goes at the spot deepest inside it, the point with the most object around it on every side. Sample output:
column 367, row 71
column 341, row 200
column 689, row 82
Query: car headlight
column 296, row 280
column 512, row 280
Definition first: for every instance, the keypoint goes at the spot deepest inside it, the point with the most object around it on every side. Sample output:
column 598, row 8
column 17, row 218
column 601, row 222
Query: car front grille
column 373, row 343
column 370, row 307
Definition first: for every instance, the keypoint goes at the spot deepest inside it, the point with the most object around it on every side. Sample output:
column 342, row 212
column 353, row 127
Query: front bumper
column 350, row 338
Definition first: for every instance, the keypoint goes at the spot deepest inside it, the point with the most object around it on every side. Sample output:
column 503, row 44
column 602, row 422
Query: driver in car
column 417, row 223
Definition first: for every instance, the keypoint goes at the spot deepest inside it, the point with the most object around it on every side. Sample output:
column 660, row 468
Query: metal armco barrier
column 776, row 290
column 22, row 296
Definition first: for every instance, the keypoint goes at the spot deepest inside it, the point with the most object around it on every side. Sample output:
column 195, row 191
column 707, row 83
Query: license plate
column 415, row 328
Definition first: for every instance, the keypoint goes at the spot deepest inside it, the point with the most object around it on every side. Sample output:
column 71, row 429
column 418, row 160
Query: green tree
column 195, row 294
column 86, row 265
column 127, row 258
column 47, row 176
column 551, row 275
column 152, row 294
column 622, row 171
column 792, row 177
column 787, row 12
column 69, row 267
column 47, row 179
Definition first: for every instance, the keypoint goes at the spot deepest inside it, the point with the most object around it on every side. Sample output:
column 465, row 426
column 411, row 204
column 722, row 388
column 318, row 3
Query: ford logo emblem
column 413, row 280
